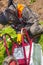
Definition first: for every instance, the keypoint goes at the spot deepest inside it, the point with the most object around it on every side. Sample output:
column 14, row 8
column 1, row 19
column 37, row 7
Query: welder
column 21, row 16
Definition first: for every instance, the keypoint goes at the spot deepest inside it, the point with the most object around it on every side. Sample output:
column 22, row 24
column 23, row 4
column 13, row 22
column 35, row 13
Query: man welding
column 21, row 16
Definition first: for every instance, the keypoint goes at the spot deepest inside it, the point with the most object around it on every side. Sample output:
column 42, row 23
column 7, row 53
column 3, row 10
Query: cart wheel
column 10, row 60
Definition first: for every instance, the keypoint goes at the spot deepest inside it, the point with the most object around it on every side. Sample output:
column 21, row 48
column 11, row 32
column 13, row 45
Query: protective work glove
column 3, row 19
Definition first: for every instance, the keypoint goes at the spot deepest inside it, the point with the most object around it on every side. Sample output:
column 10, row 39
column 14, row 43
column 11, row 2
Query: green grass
column 41, row 41
column 41, row 22
column 41, row 38
column 32, row 1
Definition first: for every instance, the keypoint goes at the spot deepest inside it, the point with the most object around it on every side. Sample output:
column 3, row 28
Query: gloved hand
column 3, row 19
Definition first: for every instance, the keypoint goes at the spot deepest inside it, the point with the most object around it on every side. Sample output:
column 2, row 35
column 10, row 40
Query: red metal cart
column 22, row 52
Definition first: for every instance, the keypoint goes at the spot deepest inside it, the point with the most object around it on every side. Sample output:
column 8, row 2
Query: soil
column 36, row 6
column 3, row 5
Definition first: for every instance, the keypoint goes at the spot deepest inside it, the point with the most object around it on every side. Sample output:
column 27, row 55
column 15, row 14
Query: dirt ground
column 36, row 6
column 3, row 5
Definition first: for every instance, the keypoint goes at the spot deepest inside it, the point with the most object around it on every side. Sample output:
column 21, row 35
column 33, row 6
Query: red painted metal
column 15, row 45
column 13, row 63
column 5, row 44
column 24, row 61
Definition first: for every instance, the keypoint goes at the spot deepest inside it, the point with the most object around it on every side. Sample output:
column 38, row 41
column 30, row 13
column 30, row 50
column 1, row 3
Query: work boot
column 36, row 29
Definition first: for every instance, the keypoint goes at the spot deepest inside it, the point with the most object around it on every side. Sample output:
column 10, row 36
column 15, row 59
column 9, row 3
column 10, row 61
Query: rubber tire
column 8, row 60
